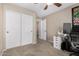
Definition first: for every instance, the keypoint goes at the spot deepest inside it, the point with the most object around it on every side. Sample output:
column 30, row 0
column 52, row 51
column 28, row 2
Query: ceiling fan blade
column 46, row 7
column 58, row 4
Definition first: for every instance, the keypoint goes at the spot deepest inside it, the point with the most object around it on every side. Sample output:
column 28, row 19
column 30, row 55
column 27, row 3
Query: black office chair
column 71, row 41
column 71, row 46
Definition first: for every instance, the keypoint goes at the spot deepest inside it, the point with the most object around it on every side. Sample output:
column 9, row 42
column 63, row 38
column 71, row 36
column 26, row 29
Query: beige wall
column 3, row 23
column 56, row 20
column 1, row 28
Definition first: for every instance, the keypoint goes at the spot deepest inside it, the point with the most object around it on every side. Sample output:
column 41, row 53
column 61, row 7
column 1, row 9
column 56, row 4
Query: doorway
column 41, row 29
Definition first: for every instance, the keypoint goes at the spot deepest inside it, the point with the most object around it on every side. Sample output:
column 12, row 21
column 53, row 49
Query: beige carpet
column 42, row 48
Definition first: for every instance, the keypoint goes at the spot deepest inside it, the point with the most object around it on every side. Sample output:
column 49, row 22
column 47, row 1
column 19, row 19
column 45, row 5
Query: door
column 43, row 29
column 27, row 29
column 12, row 29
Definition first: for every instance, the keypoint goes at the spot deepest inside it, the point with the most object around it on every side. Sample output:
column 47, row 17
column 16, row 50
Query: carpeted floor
column 42, row 48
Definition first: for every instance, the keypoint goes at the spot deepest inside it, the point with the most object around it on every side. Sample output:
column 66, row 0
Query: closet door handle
column 30, row 31
column 7, row 32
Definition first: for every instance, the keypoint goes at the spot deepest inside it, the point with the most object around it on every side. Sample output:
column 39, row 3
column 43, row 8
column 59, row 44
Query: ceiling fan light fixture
column 58, row 4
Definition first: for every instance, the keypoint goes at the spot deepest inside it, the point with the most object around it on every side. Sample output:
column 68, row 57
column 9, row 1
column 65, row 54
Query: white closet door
column 43, row 29
column 12, row 29
column 27, row 29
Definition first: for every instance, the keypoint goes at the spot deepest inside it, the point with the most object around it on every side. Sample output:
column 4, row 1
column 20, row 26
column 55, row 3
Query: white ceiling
column 38, row 8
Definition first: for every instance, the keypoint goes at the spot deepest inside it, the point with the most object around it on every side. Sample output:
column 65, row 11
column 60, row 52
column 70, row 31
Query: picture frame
column 75, row 16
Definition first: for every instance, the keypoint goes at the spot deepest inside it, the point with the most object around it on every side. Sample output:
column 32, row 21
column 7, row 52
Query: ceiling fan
column 56, row 4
